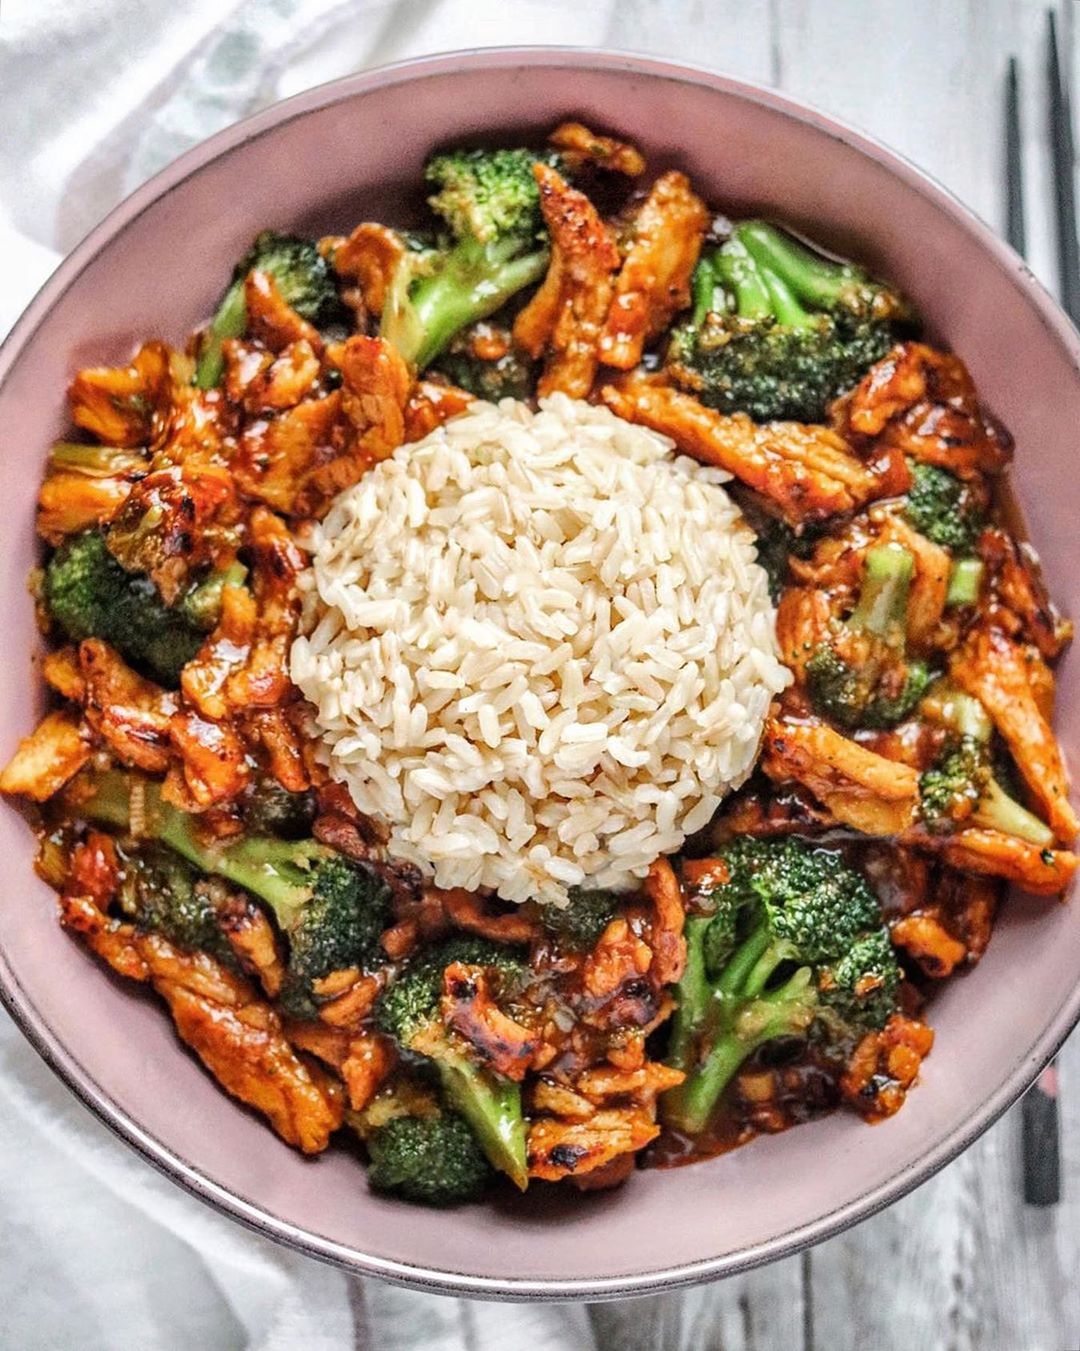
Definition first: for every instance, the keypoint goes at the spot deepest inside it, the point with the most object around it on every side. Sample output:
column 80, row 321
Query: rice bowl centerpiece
column 538, row 648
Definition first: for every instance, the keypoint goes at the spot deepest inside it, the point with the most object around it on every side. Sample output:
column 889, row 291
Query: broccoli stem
column 95, row 461
column 965, row 579
column 694, row 995
column 706, row 279
column 472, row 283
column 749, row 969
column 278, row 871
column 886, row 585
column 740, row 275
column 785, row 1011
column 229, row 322
column 783, row 301
column 492, row 1107
column 998, row 811
column 964, row 714
column 816, row 281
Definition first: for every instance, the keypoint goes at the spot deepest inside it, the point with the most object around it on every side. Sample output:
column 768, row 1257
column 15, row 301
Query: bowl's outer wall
column 327, row 169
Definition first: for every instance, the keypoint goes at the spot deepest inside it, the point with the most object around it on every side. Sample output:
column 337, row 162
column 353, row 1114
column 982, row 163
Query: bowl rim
column 250, row 1213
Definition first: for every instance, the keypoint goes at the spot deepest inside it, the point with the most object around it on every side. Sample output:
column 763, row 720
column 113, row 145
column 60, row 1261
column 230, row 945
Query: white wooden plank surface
column 962, row 1264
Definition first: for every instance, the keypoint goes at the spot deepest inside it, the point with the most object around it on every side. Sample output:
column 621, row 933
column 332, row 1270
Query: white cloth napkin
column 96, row 1249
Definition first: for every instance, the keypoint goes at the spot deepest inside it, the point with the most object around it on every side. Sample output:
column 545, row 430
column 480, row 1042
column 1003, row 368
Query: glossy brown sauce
column 762, row 1100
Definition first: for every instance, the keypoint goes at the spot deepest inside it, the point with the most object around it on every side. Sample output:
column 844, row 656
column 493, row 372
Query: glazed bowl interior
column 354, row 150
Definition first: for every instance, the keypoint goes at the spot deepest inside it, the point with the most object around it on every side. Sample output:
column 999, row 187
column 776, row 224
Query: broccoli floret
column 859, row 993
column 947, row 511
column 162, row 893
column 331, row 911
column 798, row 945
column 486, row 193
column 962, row 786
column 777, row 330
column 432, row 1160
column 409, row 1012
column 943, row 508
column 90, row 595
column 777, row 543
column 861, row 675
column 774, row 548
column 579, row 924
column 507, row 376
column 304, row 278
column 498, row 245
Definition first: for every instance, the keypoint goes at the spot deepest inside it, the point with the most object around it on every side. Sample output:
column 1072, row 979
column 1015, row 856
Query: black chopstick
column 1061, row 141
column 1015, row 230
column 1040, row 1126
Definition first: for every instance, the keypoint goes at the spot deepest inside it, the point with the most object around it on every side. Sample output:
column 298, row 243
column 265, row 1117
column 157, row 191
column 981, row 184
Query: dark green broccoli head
column 412, row 1001
column 949, row 791
column 864, row 693
column 859, row 993
column 770, row 371
column 269, row 809
column 486, row 194
column 579, row 924
column 431, row 1160
column 722, row 935
column 338, row 928
column 332, row 911
column 777, row 543
column 509, row 376
column 729, row 905
column 779, row 331
column 164, row 894
column 943, row 508
column 90, row 595
column 201, row 604
column 302, row 274
column 814, row 904
column 304, row 278
column 409, row 1009
column 861, row 676
column 806, row 898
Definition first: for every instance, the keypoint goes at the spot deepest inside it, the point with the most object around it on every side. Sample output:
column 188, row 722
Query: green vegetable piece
column 409, row 1012
column 161, row 893
column 794, row 945
column 777, row 330
column 304, row 278
column 965, row 581
column 90, row 595
column 943, row 508
column 498, row 246
column 579, row 924
column 332, row 911
column 961, row 786
column 434, row 1161
column 861, row 675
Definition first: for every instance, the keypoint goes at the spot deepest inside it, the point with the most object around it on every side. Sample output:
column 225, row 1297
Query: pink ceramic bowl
column 323, row 161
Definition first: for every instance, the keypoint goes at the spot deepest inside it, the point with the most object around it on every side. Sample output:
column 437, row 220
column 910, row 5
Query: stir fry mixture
column 775, row 970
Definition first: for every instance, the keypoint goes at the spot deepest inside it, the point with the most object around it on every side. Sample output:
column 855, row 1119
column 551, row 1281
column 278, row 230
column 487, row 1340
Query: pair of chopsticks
column 1040, row 1124
column 1062, row 149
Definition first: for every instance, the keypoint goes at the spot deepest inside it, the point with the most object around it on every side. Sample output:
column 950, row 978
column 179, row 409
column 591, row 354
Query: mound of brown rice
column 539, row 648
